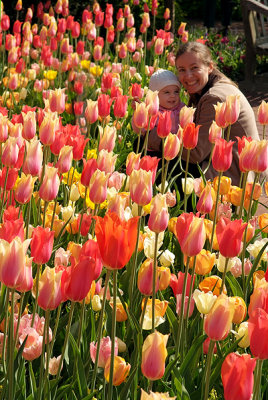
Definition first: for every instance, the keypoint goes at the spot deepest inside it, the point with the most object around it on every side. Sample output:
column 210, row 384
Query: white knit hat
column 162, row 78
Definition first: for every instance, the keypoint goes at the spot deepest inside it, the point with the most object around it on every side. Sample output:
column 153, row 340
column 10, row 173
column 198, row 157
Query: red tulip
column 229, row 234
column 222, row 155
column 91, row 249
column 164, row 124
column 237, row 376
column 104, row 104
column 89, row 168
column 120, row 106
column 190, row 135
column 176, row 284
column 149, row 163
column 76, row 280
column 42, row 244
column 113, row 236
column 258, row 333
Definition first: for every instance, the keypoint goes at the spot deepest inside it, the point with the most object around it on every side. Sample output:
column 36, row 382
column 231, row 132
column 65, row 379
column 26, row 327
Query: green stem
column 53, row 215
column 4, row 192
column 215, row 212
column 5, row 329
column 144, row 310
column 67, row 332
column 46, row 377
column 147, row 136
column 19, row 317
column 28, row 218
column 245, row 175
column 110, row 386
column 185, row 177
column 154, row 280
column 55, row 328
column 83, row 305
column 243, row 254
column 224, row 275
column 44, row 213
column 41, row 376
column 263, row 132
column 257, row 380
column 228, row 133
column 37, row 276
column 11, row 349
column 100, row 330
column 208, row 368
column 134, row 263
column 190, row 293
column 180, row 327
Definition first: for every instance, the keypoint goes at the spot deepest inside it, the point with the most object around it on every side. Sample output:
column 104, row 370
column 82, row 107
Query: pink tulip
column 105, row 350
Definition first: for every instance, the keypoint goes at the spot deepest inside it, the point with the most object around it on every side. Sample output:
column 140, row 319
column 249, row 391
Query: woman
column 206, row 86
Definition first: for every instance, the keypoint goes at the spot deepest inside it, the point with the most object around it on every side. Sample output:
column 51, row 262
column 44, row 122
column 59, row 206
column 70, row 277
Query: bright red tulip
column 113, row 235
column 120, row 106
column 190, row 135
column 149, row 163
column 229, row 235
column 89, row 168
column 104, row 104
column 176, row 284
column 76, row 280
column 42, row 244
column 164, row 124
column 222, row 155
column 237, row 376
column 257, row 332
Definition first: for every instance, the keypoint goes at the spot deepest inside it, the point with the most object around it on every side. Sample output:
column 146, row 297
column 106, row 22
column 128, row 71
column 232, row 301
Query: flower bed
column 110, row 289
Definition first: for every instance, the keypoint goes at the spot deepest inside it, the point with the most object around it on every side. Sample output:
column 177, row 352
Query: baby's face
column 169, row 96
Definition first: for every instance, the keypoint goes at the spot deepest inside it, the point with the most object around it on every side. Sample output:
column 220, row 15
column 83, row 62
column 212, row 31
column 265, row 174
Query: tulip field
column 120, row 277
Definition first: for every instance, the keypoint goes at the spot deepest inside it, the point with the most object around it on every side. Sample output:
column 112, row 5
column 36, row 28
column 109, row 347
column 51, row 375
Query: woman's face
column 192, row 72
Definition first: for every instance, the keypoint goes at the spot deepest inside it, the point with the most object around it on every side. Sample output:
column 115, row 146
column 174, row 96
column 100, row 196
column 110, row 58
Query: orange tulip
column 205, row 261
column 240, row 311
column 113, row 236
column 263, row 222
column 225, row 184
column 120, row 371
column 212, row 284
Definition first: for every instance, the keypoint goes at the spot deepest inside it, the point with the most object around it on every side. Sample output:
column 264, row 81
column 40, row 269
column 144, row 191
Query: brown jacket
column 205, row 114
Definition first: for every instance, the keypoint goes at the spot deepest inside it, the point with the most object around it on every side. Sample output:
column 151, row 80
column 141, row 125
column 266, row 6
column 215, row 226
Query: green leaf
column 173, row 322
column 126, row 387
column 80, row 371
column 234, row 285
column 32, row 379
column 191, row 353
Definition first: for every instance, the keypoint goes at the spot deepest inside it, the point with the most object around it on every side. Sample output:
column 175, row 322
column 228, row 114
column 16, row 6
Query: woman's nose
column 188, row 73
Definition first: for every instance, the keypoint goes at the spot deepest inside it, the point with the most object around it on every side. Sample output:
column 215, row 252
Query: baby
column 168, row 87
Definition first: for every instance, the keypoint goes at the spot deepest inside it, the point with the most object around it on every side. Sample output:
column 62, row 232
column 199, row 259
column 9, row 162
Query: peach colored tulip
column 49, row 296
column 10, row 152
column 159, row 46
column 154, row 354
column 171, row 147
column 263, row 113
column 29, row 125
column 13, row 261
column 50, row 185
column 181, row 28
column 98, row 187
column 191, row 234
column 206, row 200
column 106, row 161
column 145, row 278
column 132, row 162
column 152, row 102
column 232, row 109
column 214, row 132
column 186, row 116
column 64, row 162
column 140, row 186
column 107, row 138
column 254, row 156
column 240, row 311
column 140, row 116
column 24, row 188
column 159, row 216
column 220, row 109
column 34, row 158
column 57, row 100
column 48, row 128
column 218, row 321
column 91, row 111
column 33, row 345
